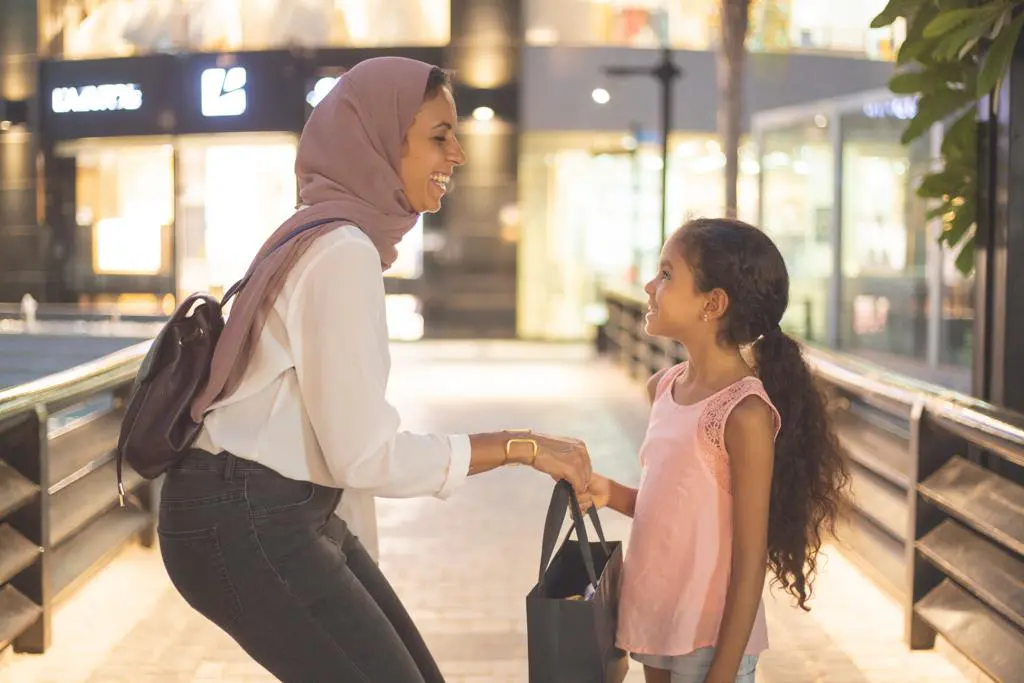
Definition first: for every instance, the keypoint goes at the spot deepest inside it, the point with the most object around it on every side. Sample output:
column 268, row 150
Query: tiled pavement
column 464, row 566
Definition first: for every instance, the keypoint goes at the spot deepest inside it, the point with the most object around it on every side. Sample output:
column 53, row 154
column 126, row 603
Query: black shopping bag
column 570, row 629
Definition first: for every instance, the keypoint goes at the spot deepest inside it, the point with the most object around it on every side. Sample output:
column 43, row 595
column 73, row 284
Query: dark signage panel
column 193, row 93
column 107, row 97
column 241, row 92
column 172, row 95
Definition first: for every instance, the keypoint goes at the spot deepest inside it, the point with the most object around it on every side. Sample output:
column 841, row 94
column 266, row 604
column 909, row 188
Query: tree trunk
column 731, row 53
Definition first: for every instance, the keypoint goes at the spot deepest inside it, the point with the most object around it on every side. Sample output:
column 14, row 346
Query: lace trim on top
column 711, row 426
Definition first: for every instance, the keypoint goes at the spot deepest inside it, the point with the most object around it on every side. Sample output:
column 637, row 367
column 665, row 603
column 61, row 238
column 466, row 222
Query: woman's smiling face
column 430, row 153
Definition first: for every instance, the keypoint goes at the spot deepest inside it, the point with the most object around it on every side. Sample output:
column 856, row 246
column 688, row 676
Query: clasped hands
column 560, row 458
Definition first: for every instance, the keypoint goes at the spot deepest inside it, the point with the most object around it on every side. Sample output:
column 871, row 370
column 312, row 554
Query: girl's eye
column 664, row 275
column 442, row 139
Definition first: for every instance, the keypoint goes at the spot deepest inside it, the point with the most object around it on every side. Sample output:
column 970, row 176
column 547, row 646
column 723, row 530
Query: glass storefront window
column 124, row 211
column 233, row 192
column 835, row 26
column 194, row 210
column 627, row 23
column 884, row 285
column 898, row 308
column 80, row 29
column 796, row 210
column 590, row 211
column 775, row 25
column 956, row 322
column 901, row 302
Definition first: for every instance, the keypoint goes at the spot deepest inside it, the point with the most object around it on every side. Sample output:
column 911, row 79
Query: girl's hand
column 597, row 494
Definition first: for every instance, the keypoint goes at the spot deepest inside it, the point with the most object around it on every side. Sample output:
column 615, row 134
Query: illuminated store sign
column 222, row 91
column 106, row 97
column 904, row 108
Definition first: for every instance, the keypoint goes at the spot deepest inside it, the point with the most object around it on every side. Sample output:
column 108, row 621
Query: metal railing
column 59, row 518
column 29, row 309
column 142, row 321
column 937, row 512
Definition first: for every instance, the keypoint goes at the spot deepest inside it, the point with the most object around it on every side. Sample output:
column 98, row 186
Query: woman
column 294, row 410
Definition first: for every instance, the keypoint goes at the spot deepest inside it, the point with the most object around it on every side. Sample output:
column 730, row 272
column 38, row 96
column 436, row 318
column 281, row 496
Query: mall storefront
column 837, row 27
column 591, row 204
column 164, row 174
column 868, row 276
column 590, row 143
column 160, row 145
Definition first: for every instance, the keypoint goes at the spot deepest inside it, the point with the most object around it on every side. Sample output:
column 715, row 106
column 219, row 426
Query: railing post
column 930, row 449
column 29, row 456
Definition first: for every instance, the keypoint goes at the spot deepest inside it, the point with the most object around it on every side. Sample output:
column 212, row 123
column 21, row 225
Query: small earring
column 705, row 317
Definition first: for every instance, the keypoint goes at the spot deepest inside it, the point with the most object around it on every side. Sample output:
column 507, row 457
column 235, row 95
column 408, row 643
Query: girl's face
column 431, row 153
column 675, row 305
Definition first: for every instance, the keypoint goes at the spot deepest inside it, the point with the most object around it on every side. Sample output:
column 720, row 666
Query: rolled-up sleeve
column 338, row 334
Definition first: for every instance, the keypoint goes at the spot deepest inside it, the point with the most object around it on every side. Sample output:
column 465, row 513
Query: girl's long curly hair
column 810, row 478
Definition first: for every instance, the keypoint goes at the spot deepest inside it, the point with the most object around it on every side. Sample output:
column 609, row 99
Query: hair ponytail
column 810, row 476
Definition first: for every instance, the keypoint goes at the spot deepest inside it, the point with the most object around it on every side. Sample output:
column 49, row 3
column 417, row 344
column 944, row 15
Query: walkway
column 464, row 566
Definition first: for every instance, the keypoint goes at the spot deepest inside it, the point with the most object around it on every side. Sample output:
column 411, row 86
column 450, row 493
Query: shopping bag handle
column 562, row 497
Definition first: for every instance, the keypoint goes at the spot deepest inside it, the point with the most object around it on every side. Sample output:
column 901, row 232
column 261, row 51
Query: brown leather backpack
column 158, row 429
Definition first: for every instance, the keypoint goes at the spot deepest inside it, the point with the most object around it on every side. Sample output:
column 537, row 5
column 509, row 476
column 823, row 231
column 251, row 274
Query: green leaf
column 913, row 49
column 1000, row 24
column 947, row 5
column 911, row 82
column 941, row 183
column 929, row 79
column 894, row 10
column 947, row 21
column 967, row 48
column 963, row 220
column 965, row 259
column 939, row 212
column 933, row 107
column 958, row 43
column 915, row 44
column 959, row 145
column 997, row 60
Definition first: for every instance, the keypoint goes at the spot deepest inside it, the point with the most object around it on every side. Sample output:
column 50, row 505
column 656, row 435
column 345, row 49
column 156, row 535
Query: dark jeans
column 266, row 559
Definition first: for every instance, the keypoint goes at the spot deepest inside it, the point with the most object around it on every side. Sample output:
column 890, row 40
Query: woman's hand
column 559, row 457
column 598, row 494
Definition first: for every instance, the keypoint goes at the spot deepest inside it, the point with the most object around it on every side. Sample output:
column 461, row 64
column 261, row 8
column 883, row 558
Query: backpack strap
column 237, row 287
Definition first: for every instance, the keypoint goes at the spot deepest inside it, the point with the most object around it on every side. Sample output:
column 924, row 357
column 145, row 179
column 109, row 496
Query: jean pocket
column 190, row 489
column 199, row 571
column 748, row 669
column 269, row 493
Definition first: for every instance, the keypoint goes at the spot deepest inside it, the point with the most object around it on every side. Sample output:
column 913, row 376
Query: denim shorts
column 693, row 666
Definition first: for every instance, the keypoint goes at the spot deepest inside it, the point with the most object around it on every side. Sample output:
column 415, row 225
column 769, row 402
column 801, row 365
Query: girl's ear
column 716, row 303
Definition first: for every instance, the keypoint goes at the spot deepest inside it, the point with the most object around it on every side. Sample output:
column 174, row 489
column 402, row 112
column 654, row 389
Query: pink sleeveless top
column 677, row 565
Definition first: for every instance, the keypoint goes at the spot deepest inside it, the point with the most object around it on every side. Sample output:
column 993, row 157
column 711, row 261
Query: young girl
column 741, row 471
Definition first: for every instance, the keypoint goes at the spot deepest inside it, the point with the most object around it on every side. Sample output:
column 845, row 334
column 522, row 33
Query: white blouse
column 312, row 404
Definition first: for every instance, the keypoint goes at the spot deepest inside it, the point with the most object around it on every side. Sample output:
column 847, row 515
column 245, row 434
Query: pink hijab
column 347, row 167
